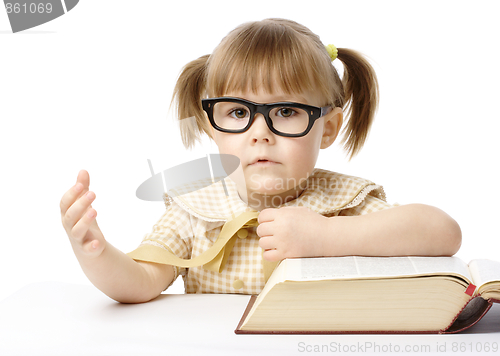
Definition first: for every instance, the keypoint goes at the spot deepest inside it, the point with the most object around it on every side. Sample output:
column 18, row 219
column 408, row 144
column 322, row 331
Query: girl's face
column 275, row 165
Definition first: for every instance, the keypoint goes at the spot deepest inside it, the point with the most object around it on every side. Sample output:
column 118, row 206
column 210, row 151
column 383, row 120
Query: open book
column 373, row 295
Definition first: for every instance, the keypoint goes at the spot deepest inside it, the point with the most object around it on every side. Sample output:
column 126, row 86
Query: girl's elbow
column 445, row 230
column 454, row 237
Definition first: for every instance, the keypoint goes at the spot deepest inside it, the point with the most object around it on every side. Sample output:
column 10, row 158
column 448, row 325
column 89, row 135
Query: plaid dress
column 194, row 218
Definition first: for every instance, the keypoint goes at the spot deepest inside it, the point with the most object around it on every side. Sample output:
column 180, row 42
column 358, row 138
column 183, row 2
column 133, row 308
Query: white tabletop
column 54, row 318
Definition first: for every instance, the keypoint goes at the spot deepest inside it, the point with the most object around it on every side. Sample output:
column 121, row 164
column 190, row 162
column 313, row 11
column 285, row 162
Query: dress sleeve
column 369, row 205
column 172, row 233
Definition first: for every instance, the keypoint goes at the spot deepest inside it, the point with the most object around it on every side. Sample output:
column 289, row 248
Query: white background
column 91, row 90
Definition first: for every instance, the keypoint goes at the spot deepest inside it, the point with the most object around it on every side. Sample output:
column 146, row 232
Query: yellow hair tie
column 332, row 51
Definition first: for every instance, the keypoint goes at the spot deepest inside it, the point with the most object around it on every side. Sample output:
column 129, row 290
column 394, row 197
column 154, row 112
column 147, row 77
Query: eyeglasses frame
column 314, row 113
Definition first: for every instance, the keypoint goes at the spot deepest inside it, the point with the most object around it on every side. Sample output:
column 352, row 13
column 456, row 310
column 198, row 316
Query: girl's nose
column 259, row 131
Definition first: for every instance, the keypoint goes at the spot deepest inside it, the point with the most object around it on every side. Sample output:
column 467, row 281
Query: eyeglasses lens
column 285, row 119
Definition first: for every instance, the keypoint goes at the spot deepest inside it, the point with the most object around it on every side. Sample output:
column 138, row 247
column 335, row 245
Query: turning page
column 484, row 271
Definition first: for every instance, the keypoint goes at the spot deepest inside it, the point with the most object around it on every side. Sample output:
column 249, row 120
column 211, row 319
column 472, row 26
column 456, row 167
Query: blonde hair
column 282, row 52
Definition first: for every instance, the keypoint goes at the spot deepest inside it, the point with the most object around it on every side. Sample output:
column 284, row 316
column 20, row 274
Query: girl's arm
column 413, row 229
column 110, row 270
column 123, row 279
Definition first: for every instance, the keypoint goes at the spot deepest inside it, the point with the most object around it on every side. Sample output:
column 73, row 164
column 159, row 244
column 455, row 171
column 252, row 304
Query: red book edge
column 470, row 289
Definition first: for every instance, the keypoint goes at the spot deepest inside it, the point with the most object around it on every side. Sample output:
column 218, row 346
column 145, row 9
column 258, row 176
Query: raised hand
column 78, row 219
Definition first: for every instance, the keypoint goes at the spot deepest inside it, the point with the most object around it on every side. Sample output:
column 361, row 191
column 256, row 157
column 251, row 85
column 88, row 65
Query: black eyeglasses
column 234, row 115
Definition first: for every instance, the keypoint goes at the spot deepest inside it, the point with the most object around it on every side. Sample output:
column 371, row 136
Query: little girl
column 270, row 96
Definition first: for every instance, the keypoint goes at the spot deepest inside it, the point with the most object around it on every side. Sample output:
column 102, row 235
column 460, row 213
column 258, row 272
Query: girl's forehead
column 262, row 96
column 259, row 75
column 295, row 83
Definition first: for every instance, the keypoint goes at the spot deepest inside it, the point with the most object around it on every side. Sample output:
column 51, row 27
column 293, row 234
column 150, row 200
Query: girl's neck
column 263, row 201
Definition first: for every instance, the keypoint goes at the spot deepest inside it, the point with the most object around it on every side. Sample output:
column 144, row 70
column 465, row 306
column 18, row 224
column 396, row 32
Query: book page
column 450, row 265
column 484, row 271
column 350, row 267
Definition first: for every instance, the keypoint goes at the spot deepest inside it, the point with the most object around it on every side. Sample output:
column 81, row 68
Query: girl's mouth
column 263, row 162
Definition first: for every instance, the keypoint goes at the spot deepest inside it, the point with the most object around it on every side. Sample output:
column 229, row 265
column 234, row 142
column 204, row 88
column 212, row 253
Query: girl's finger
column 81, row 187
column 82, row 226
column 92, row 246
column 70, row 197
column 83, row 178
column 272, row 255
column 76, row 210
column 75, row 192
column 264, row 230
column 266, row 243
column 267, row 215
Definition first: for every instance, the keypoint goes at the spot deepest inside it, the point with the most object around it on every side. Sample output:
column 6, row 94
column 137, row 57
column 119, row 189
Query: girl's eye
column 239, row 113
column 285, row 112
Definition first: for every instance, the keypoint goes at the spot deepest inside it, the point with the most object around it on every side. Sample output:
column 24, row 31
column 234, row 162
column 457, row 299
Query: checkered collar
column 326, row 193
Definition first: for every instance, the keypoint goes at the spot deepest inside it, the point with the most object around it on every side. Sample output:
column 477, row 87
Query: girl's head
column 277, row 60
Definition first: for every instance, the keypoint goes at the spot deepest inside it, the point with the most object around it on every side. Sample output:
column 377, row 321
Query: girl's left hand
column 291, row 232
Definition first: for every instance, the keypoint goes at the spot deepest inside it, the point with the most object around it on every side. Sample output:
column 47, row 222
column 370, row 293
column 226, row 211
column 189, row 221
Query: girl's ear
column 333, row 124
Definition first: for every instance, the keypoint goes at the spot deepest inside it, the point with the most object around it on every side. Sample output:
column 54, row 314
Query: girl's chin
column 276, row 191
column 269, row 185
column 267, row 192
column 271, row 198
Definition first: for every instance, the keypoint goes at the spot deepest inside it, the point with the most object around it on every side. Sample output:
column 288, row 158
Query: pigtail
column 188, row 92
column 361, row 96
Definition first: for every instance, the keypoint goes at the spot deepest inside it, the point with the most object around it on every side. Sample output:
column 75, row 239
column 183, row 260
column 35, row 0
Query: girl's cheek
column 230, row 147
column 222, row 143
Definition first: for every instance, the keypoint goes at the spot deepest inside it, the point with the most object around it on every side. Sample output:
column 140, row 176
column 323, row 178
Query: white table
column 53, row 318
